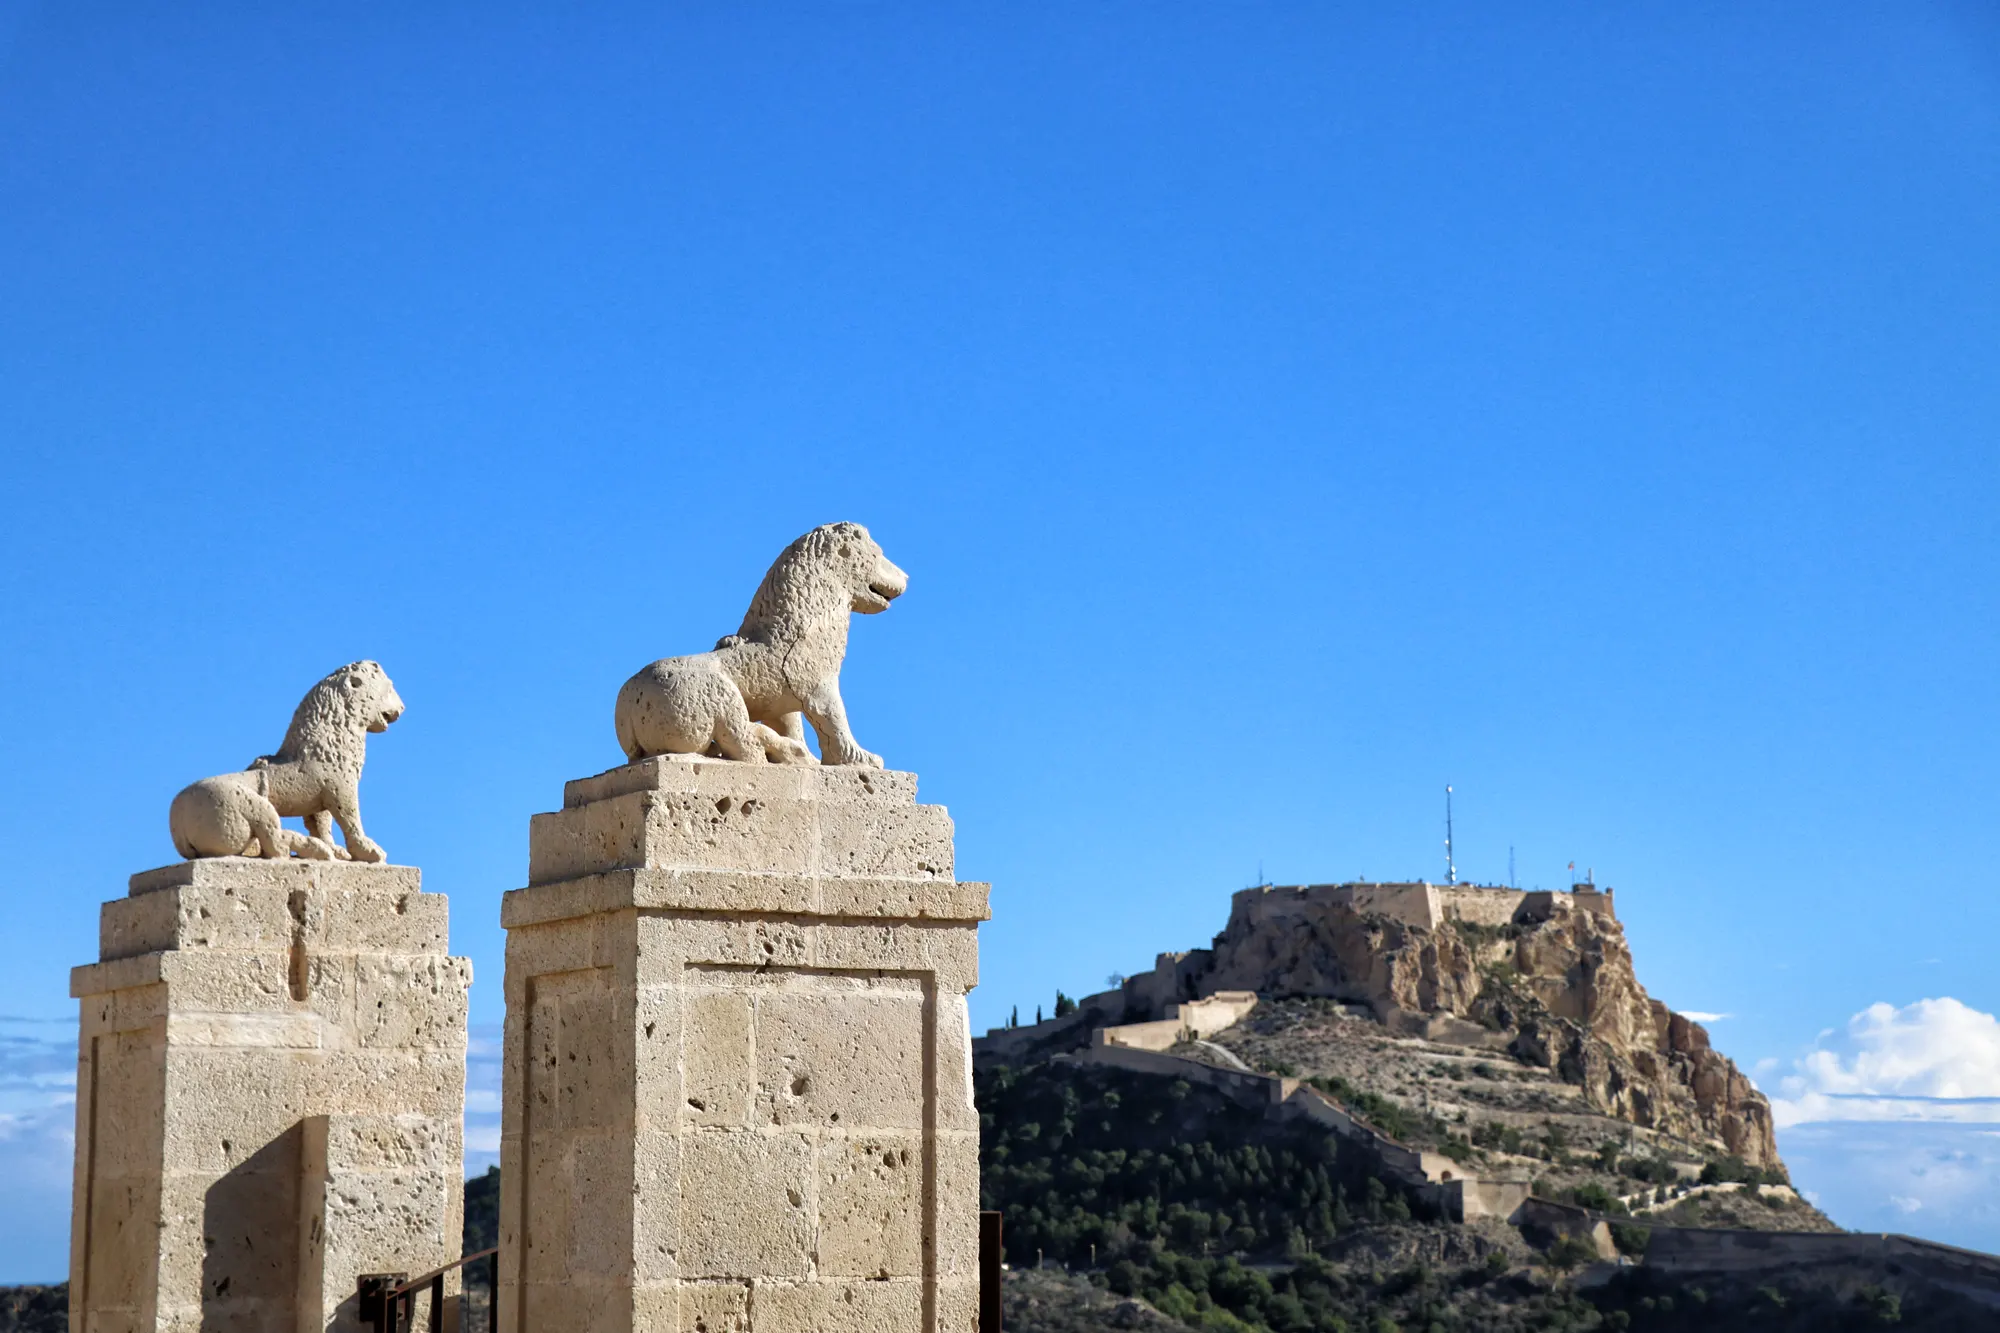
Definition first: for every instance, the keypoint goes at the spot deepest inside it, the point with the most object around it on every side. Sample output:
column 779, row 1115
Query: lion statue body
column 315, row 775
column 746, row 699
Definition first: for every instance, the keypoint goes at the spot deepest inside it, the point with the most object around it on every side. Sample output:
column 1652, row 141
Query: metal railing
column 380, row 1294
column 990, row 1255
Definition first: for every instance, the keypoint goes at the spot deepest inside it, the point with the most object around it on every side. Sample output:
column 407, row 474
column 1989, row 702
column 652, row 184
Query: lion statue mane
column 316, row 775
column 745, row 700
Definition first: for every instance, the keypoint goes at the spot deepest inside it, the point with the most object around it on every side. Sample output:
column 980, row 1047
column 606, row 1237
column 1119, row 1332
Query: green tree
column 1570, row 1252
column 1630, row 1239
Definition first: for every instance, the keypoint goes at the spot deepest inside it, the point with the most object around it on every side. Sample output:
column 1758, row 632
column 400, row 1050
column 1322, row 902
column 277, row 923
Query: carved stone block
column 269, row 1091
column 737, row 1074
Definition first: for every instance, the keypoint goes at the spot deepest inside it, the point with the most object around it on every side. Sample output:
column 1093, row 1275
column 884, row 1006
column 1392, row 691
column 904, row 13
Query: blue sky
column 1282, row 411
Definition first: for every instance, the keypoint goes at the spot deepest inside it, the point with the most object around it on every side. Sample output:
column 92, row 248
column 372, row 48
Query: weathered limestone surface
column 270, row 1082
column 750, row 697
column 738, row 1071
column 315, row 776
column 1555, row 981
column 1548, row 975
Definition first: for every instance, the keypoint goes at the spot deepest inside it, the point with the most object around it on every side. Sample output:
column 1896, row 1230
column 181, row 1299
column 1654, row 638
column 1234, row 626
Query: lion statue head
column 335, row 714
column 818, row 579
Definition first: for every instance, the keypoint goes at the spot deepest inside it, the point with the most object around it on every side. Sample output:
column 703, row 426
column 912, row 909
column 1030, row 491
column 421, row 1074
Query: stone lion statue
column 745, row 699
column 316, row 774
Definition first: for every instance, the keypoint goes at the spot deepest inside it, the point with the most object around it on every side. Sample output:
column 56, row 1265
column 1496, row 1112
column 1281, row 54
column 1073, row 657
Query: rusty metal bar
column 423, row 1279
column 379, row 1293
column 990, row 1255
column 375, row 1299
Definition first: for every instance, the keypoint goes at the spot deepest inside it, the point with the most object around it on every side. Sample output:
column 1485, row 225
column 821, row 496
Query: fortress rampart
column 1177, row 979
column 1415, row 904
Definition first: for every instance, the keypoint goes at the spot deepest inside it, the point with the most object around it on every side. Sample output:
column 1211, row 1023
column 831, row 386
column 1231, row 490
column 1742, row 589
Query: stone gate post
column 738, row 1075
column 270, row 1078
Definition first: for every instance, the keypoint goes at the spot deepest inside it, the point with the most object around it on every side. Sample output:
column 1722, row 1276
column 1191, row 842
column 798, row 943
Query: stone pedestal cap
column 700, row 835
column 257, row 907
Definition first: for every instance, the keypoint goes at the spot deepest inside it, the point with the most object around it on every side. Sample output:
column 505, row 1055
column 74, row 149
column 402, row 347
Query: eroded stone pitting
column 761, row 970
column 750, row 697
column 270, row 1093
column 315, row 776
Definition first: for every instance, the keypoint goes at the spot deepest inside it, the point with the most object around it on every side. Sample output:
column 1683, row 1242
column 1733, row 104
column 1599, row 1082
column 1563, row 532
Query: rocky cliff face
column 1555, row 988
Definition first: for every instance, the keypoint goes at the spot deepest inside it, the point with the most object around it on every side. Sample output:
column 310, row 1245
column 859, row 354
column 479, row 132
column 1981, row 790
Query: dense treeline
column 35, row 1309
column 482, row 1225
column 1096, row 1162
column 1228, row 1221
column 1219, row 1217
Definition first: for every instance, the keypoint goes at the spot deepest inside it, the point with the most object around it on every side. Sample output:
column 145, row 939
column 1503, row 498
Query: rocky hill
column 1416, row 1106
column 1141, row 1202
column 1546, row 978
column 1543, row 983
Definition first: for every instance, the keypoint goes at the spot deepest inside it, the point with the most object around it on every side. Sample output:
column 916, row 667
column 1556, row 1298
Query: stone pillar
column 270, row 1084
column 738, row 1091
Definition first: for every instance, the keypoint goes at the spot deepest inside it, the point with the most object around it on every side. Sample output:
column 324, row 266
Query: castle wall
column 1278, row 904
column 1194, row 1020
column 1412, row 904
column 1479, row 905
column 1466, row 1198
column 1159, row 1035
column 1215, row 1013
column 1415, row 904
column 1590, row 900
column 1259, row 1091
column 1009, row 1044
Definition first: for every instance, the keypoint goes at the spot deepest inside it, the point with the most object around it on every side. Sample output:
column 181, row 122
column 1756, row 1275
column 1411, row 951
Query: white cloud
column 1700, row 1017
column 1934, row 1060
column 482, row 1098
column 37, row 1144
column 1939, row 1181
column 1887, row 1123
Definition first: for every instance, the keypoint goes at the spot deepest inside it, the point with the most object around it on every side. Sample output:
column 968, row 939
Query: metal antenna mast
column 1450, row 865
column 1510, row 867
